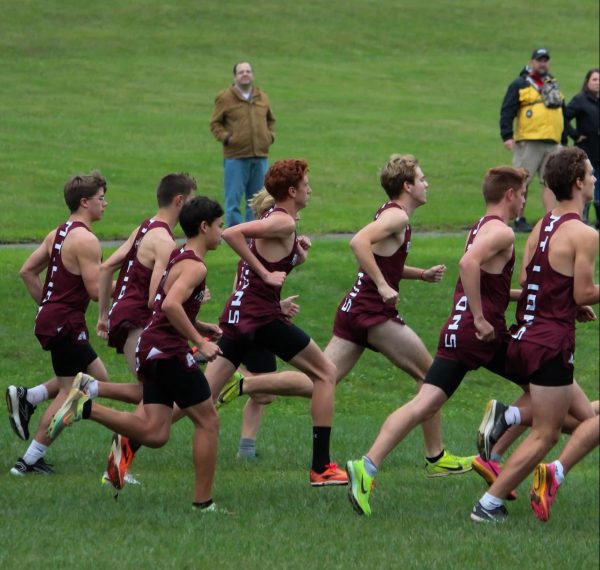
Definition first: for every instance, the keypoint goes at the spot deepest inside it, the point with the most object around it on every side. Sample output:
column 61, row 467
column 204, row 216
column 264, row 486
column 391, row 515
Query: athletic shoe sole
column 112, row 469
column 328, row 483
column 487, row 425
column 352, row 487
column 12, row 403
column 539, row 498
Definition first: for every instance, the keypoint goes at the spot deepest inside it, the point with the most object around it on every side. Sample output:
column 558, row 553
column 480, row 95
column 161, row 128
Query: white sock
column 92, row 388
column 34, row 452
column 490, row 502
column 37, row 394
column 370, row 467
column 560, row 471
column 512, row 416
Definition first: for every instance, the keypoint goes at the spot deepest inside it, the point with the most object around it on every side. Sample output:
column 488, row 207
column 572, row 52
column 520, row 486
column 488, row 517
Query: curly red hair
column 284, row 174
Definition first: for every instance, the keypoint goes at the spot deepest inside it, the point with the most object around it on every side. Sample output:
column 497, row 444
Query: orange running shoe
column 490, row 470
column 543, row 490
column 332, row 475
column 119, row 460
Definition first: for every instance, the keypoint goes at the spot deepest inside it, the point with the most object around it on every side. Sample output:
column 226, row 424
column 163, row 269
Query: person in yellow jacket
column 532, row 122
column 242, row 121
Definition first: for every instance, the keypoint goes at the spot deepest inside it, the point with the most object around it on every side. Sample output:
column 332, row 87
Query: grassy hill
column 128, row 87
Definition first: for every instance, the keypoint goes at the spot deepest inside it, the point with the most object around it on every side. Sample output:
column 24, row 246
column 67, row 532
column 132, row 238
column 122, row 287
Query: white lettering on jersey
column 450, row 339
column 534, row 288
column 355, row 291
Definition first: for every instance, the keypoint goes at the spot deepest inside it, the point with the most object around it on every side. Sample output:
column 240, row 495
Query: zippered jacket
column 246, row 128
column 534, row 121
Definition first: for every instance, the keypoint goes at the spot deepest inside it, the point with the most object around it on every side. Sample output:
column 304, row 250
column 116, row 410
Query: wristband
column 422, row 276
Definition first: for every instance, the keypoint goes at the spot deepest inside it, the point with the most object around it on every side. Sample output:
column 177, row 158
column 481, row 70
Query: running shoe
column 521, row 226
column 19, row 410
column 40, row 467
column 543, row 490
column 231, row 390
column 332, row 476
column 490, row 470
column 449, row 464
column 81, row 382
column 493, row 425
column 70, row 412
column 129, row 479
column 119, row 460
column 361, row 485
column 211, row 509
column 495, row 515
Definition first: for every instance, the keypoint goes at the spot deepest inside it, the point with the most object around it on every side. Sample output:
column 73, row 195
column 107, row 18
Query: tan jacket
column 246, row 128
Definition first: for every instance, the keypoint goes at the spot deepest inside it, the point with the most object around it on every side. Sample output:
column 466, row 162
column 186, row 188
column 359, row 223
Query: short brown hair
column 399, row 169
column 283, row 175
column 498, row 180
column 82, row 186
column 173, row 185
column 564, row 167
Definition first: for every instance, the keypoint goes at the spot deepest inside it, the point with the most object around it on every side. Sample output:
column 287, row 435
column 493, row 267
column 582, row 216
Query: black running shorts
column 284, row 340
column 70, row 358
column 166, row 381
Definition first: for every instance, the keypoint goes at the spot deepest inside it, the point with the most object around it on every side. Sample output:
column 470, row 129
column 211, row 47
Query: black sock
column 321, row 436
column 203, row 505
column 436, row 458
column 87, row 410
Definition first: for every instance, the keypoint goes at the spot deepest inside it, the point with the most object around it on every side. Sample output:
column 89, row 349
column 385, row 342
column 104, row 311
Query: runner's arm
column 585, row 291
column 390, row 222
column 34, row 265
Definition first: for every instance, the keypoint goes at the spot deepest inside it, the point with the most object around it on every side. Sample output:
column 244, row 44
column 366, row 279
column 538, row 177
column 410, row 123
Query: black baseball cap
column 540, row 53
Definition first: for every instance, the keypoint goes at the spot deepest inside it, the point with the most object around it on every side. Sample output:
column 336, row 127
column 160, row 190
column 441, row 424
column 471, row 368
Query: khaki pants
column 532, row 155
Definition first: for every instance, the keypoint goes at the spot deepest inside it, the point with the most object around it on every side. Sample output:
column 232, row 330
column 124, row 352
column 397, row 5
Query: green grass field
column 128, row 87
column 278, row 519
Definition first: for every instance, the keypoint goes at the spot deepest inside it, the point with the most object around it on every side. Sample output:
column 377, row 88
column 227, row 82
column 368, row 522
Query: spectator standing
column 535, row 101
column 244, row 124
column 586, row 134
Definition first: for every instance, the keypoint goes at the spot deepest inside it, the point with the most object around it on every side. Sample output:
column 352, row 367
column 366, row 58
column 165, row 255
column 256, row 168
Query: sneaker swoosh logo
column 459, row 468
column 362, row 485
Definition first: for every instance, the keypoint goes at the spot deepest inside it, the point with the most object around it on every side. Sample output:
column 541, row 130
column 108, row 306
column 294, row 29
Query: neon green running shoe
column 71, row 411
column 361, row 485
column 231, row 390
column 81, row 382
column 449, row 464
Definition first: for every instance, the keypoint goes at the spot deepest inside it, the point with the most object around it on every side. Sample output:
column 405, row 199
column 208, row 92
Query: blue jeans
column 244, row 177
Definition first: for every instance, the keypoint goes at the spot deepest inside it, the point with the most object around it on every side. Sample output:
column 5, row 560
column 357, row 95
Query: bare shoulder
column 82, row 240
column 156, row 238
column 279, row 222
column 191, row 271
column 49, row 239
column 394, row 217
column 582, row 234
column 497, row 229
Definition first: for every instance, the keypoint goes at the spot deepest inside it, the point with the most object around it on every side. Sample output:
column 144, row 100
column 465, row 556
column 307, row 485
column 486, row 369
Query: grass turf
column 278, row 520
column 128, row 87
